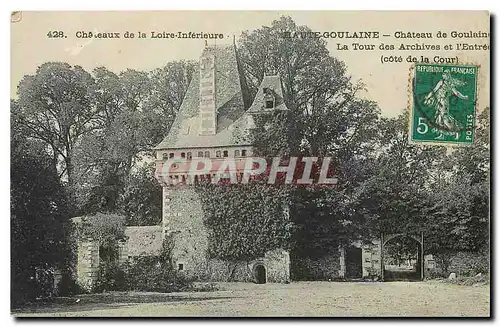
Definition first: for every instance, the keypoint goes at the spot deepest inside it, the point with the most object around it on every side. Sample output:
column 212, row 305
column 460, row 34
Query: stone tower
column 213, row 122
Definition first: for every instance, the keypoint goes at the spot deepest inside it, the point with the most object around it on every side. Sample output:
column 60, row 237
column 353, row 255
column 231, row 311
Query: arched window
column 189, row 156
column 225, row 153
column 217, row 154
column 243, row 153
column 236, row 153
column 183, row 155
column 200, row 154
column 207, row 154
column 165, row 156
column 171, row 155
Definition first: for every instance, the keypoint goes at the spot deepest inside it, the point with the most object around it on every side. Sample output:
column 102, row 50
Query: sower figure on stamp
column 439, row 97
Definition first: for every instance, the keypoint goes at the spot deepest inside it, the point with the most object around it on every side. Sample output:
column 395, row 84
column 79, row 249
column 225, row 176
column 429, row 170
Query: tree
column 394, row 198
column 462, row 197
column 316, row 86
column 136, row 111
column 55, row 107
column 328, row 120
column 38, row 216
column 141, row 200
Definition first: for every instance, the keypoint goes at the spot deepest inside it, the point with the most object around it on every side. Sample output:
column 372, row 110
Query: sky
column 386, row 83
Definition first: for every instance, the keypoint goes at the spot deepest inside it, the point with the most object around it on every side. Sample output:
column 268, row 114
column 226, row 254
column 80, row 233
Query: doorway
column 353, row 262
column 260, row 274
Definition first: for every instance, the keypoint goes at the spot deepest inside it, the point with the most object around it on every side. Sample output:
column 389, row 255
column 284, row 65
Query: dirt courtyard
column 337, row 299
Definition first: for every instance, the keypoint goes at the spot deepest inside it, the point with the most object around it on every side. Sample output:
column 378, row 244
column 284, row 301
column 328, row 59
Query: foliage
column 328, row 120
column 461, row 196
column 483, row 279
column 141, row 198
column 55, row 108
column 144, row 274
column 110, row 278
column 99, row 125
column 87, row 137
column 105, row 229
column 156, row 273
column 38, row 210
column 462, row 263
column 244, row 221
column 400, row 249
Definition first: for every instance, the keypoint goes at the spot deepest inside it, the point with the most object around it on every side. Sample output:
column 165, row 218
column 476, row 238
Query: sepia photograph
column 250, row 164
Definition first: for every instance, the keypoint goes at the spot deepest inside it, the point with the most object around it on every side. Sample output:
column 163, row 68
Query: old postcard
column 250, row 164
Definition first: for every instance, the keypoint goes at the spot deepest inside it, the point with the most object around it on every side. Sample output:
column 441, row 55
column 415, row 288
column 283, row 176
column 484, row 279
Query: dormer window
column 268, row 98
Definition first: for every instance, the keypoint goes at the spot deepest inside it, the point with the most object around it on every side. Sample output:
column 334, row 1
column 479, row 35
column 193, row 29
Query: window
column 236, row 153
column 207, row 154
column 243, row 153
column 171, row 155
column 200, row 154
column 180, row 266
column 165, row 156
column 189, row 156
column 225, row 153
column 268, row 98
column 183, row 155
column 217, row 154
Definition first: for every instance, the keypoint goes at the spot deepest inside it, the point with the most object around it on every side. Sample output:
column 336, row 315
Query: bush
column 68, row 286
column 469, row 281
column 469, row 264
column 111, row 278
column 146, row 274
column 149, row 274
column 464, row 264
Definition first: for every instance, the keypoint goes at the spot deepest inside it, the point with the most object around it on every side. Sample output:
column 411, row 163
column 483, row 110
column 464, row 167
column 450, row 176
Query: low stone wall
column 276, row 264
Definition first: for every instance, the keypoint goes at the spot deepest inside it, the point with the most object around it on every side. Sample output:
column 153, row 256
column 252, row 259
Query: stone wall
column 87, row 267
column 371, row 259
column 183, row 222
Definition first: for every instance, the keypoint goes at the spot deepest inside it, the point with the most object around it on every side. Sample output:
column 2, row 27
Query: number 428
column 56, row 34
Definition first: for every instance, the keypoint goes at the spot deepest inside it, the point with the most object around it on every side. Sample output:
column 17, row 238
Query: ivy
column 244, row 221
column 105, row 229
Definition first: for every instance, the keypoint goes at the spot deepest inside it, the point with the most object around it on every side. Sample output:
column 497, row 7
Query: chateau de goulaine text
column 388, row 47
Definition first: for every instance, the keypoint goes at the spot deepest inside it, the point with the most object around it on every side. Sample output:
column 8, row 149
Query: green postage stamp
column 444, row 104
